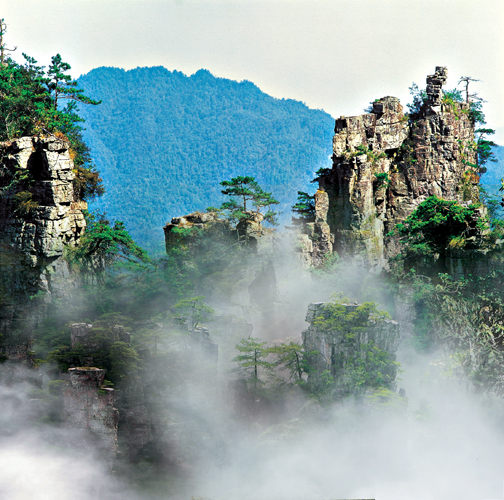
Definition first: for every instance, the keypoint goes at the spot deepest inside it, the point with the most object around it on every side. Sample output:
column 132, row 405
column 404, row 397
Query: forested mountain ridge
column 163, row 141
column 495, row 170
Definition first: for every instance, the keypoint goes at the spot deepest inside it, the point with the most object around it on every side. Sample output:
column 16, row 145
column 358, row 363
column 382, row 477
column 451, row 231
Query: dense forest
column 163, row 140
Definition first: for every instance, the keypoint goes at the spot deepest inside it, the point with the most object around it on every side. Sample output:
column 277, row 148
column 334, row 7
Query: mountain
column 163, row 141
column 495, row 170
column 491, row 179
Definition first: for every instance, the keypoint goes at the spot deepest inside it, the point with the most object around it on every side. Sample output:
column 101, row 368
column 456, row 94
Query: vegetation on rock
column 437, row 223
column 29, row 107
column 199, row 128
column 247, row 190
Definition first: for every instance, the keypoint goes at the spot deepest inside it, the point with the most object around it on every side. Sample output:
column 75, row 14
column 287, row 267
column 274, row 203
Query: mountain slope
column 495, row 170
column 491, row 179
column 163, row 141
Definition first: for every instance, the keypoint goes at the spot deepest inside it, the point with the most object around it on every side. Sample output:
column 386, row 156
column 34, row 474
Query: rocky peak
column 384, row 166
column 39, row 218
column 90, row 408
column 55, row 218
column 435, row 84
column 335, row 349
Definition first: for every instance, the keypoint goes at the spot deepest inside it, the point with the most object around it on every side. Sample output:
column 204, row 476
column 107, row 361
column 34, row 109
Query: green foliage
column 466, row 317
column 205, row 128
column 367, row 366
column 56, row 387
column 117, row 357
column 193, row 311
column 305, row 208
column 364, row 150
column 321, row 172
column 434, row 224
column 24, row 204
column 252, row 359
column 382, row 180
column 484, row 148
column 29, row 106
column 336, row 317
column 452, row 96
column 419, row 98
column 406, row 152
column 123, row 361
column 19, row 280
column 205, row 260
column 247, row 190
column 104, row 245
column 61, row 86
column 290, row 360
column 383, row 399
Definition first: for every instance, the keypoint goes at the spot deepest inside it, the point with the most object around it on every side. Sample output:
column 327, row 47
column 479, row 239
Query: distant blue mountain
column 163, row 141
column 491, row 179
column 495, row 170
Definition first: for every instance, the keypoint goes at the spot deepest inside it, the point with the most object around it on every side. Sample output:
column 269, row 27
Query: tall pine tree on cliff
column 246, row 189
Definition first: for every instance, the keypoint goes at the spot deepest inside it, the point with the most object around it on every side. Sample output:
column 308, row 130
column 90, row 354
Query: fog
column 439, row 441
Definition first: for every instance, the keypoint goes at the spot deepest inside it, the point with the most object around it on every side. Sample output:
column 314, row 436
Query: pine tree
column 248, row 190
column 252, row 359
column 61, row 85
column 305, row 208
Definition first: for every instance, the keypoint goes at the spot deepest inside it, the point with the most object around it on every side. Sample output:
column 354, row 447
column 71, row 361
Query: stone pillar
column 435, row 84
column 90, row 407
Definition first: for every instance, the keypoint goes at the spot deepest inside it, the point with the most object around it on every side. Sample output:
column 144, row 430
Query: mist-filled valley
column 351, row 348
column 215, row 436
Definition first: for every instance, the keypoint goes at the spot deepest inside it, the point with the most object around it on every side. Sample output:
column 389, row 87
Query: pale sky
column 336, row 55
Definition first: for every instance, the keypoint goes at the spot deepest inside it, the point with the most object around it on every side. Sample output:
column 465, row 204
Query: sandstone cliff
column 384, row 166
column 39, row 218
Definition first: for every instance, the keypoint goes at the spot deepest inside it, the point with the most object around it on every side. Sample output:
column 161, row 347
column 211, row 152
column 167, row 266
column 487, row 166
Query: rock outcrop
column 250, row 289
column 337, row 345
column 174, row 230
column 384, row 166
column 39, row 218
column 56, row 220
column 133, row 417
column 249, row 229
column 90, row 407
column 82, row 334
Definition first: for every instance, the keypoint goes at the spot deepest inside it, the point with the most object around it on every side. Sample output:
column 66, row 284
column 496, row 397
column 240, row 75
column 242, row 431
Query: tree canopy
column 248, row 190
column 30, row 105
column 435, row 224
column 200, row 128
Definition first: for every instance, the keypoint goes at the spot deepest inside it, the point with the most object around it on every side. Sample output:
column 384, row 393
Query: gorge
column 196, row 376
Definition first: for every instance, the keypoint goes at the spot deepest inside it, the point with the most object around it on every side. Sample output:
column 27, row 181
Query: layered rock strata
column 249, row 229
column 174, row 233
column 39, row 218
column 384, row 166
column 57, row 221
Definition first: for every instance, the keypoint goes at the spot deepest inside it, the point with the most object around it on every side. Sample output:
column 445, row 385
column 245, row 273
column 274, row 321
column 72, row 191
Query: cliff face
column 39, row 218
column 131, row 417
column 90, row 408
column 385, row 165
column 337, row 347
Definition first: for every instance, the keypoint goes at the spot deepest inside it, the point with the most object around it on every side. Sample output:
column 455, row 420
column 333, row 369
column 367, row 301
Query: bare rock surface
column 384, row 166
column 34, row 237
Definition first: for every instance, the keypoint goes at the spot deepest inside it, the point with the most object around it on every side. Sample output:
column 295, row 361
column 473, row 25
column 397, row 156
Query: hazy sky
column 332, row 54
